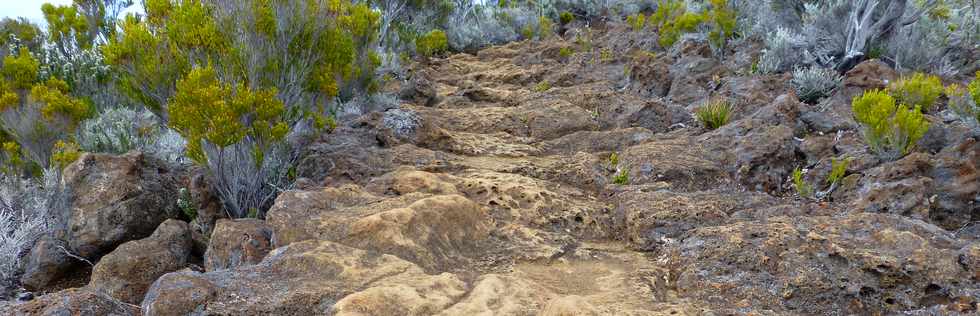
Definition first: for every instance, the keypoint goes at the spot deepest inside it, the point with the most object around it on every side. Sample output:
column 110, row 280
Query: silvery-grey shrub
column 782, row 51
column 120, row 130
column 814, row 83
column 29, row 209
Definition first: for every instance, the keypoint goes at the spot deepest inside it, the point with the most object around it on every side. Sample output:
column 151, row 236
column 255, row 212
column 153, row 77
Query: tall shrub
column 235, row 77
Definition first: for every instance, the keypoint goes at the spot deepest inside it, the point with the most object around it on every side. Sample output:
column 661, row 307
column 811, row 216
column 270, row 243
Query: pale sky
column 32, row 9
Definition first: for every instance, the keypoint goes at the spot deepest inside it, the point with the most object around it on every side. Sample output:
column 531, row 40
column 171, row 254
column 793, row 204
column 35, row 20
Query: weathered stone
column 47, row 264
column 127, row 272
column 116, row 199
column 237, row 243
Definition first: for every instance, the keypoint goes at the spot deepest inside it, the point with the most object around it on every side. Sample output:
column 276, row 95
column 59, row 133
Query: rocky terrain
column 490, row 191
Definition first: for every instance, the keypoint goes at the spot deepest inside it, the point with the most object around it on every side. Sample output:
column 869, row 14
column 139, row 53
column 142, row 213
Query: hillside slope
column 527, row 180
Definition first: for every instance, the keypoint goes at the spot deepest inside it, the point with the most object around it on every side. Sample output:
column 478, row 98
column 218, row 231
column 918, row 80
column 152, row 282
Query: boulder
column 47, row 264
column 237, row 243
column 969, row 258
column 116, row 199
column 127, row 272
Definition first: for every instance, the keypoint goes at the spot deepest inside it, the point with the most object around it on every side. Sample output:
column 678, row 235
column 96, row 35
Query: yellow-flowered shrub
column 917, row 90
column 35, row 115
column 311, row 51
column 432, row 44
column 890, row 129
column 207, row 111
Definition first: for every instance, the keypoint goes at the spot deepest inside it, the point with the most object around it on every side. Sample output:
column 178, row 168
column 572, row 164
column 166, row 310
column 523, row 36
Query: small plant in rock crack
column 622, row 177
column 814, row 83
column 613, row 160
column 890, row 129
column 605, row 55
column 804, row 189
column 542, row 86
column 566, row 52
column 714, row 114
column 838, row 169
column 636, row 21
column 185, row 205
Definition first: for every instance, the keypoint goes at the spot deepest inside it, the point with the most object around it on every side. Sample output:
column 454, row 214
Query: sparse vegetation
column 838, row 168
column 803, row 189
column 566, row 52
column 714, row 114
column 542, row 86
column 622, row 177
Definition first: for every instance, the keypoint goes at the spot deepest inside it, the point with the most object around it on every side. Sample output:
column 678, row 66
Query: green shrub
column 431, row 44
column 185, row 204
column 542, row 86
column 917, row 90
column 962, row 103
column 974, row 89
column 672, row 19
column 714, row 114
column 64, row 154
column 237, row 133
column 528, row 32
column 22, row 29
column 566, row 52
column 722, row 20
column 311, row 52
column 890, row 130
column 804, row 189
column 566, row 17
column 614, row 159
column 34, row 114
column 636, row 21
column 838, row 168
column 546, row 28
column 622, row 177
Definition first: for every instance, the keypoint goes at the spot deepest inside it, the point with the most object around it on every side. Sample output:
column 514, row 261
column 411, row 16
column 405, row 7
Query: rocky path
column 492, row 191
